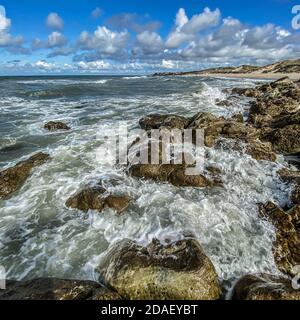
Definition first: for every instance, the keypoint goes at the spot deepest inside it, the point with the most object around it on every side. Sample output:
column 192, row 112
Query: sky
column 143, row 36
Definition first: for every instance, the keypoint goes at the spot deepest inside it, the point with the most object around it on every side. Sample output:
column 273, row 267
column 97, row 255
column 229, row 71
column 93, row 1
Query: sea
column 41, row 237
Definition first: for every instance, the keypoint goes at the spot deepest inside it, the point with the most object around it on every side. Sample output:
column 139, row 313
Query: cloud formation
column 11, row 43
column 132, row 43
column 54, row 21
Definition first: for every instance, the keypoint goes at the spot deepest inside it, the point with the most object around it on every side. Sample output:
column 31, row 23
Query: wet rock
column 56, row 125
column 95, row 198
column 283, row 121
column 286, row 248
column 212, row 126
column 215, row 127
column 214, row 170
column 205, row 119
column 277, row 100
column 56, row 289
column 247, row 92
column 235, row 130
column 157, row 121
column 292, row 177
column 296, row 195
column 13, row 178
column 177, row 271
column 265, row 287
column 223, row 103
column 255, row 148
column 238, row 118
column 260, row 150
column 172, row 173
column 284, row 140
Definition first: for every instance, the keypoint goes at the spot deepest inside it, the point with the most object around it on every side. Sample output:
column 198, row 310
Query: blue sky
column 134, row 36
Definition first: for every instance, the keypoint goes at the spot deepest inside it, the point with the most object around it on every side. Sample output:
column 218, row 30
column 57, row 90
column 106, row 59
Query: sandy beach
column 258, row 75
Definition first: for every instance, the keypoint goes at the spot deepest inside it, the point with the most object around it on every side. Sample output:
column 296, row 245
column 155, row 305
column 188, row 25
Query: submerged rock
column 286, row 248
column 95, row 198
column 56, row 289
column 177, row 271
column 56, row 125
column 13, row 178
column 265, row 287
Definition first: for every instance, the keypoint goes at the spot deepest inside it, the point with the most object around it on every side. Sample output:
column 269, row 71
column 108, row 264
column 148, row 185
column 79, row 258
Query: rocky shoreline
column 180, row 269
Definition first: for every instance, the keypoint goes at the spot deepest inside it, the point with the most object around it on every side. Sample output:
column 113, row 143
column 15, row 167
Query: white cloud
column 104, row 40
column 43, row 65
column 181, row 19
column 4, row 22
column 56, row 39
column 12, row 44
column 54, row 21
column 168, row 64
column 199, row 41
column 93, row 65
column 149, row 42
column 186, row 30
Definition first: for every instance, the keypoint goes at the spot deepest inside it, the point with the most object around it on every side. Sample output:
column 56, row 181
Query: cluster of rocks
column 275, row 112
column 180, row 269
column 245, row 135
column 177, row 270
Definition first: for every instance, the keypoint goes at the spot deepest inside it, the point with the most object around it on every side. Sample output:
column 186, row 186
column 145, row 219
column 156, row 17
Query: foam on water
column 39, row 236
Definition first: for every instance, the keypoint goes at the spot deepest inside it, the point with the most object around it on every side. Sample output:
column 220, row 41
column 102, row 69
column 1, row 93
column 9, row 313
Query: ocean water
column 40, row 237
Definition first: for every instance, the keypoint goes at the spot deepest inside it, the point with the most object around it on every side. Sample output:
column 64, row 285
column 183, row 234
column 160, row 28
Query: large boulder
column 265, row 287
column 286, row 248
column 56, row 125
column 177, row 271
column 96, row 198
column 158, row 121
column 172, row 173
column 56, row 289
column 13, row 178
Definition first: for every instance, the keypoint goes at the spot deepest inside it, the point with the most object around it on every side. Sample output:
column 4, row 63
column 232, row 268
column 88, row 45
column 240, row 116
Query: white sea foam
column 134, row 77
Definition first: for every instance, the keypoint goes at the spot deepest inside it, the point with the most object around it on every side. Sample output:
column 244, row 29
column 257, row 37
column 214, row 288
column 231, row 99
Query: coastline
column 258, row 75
